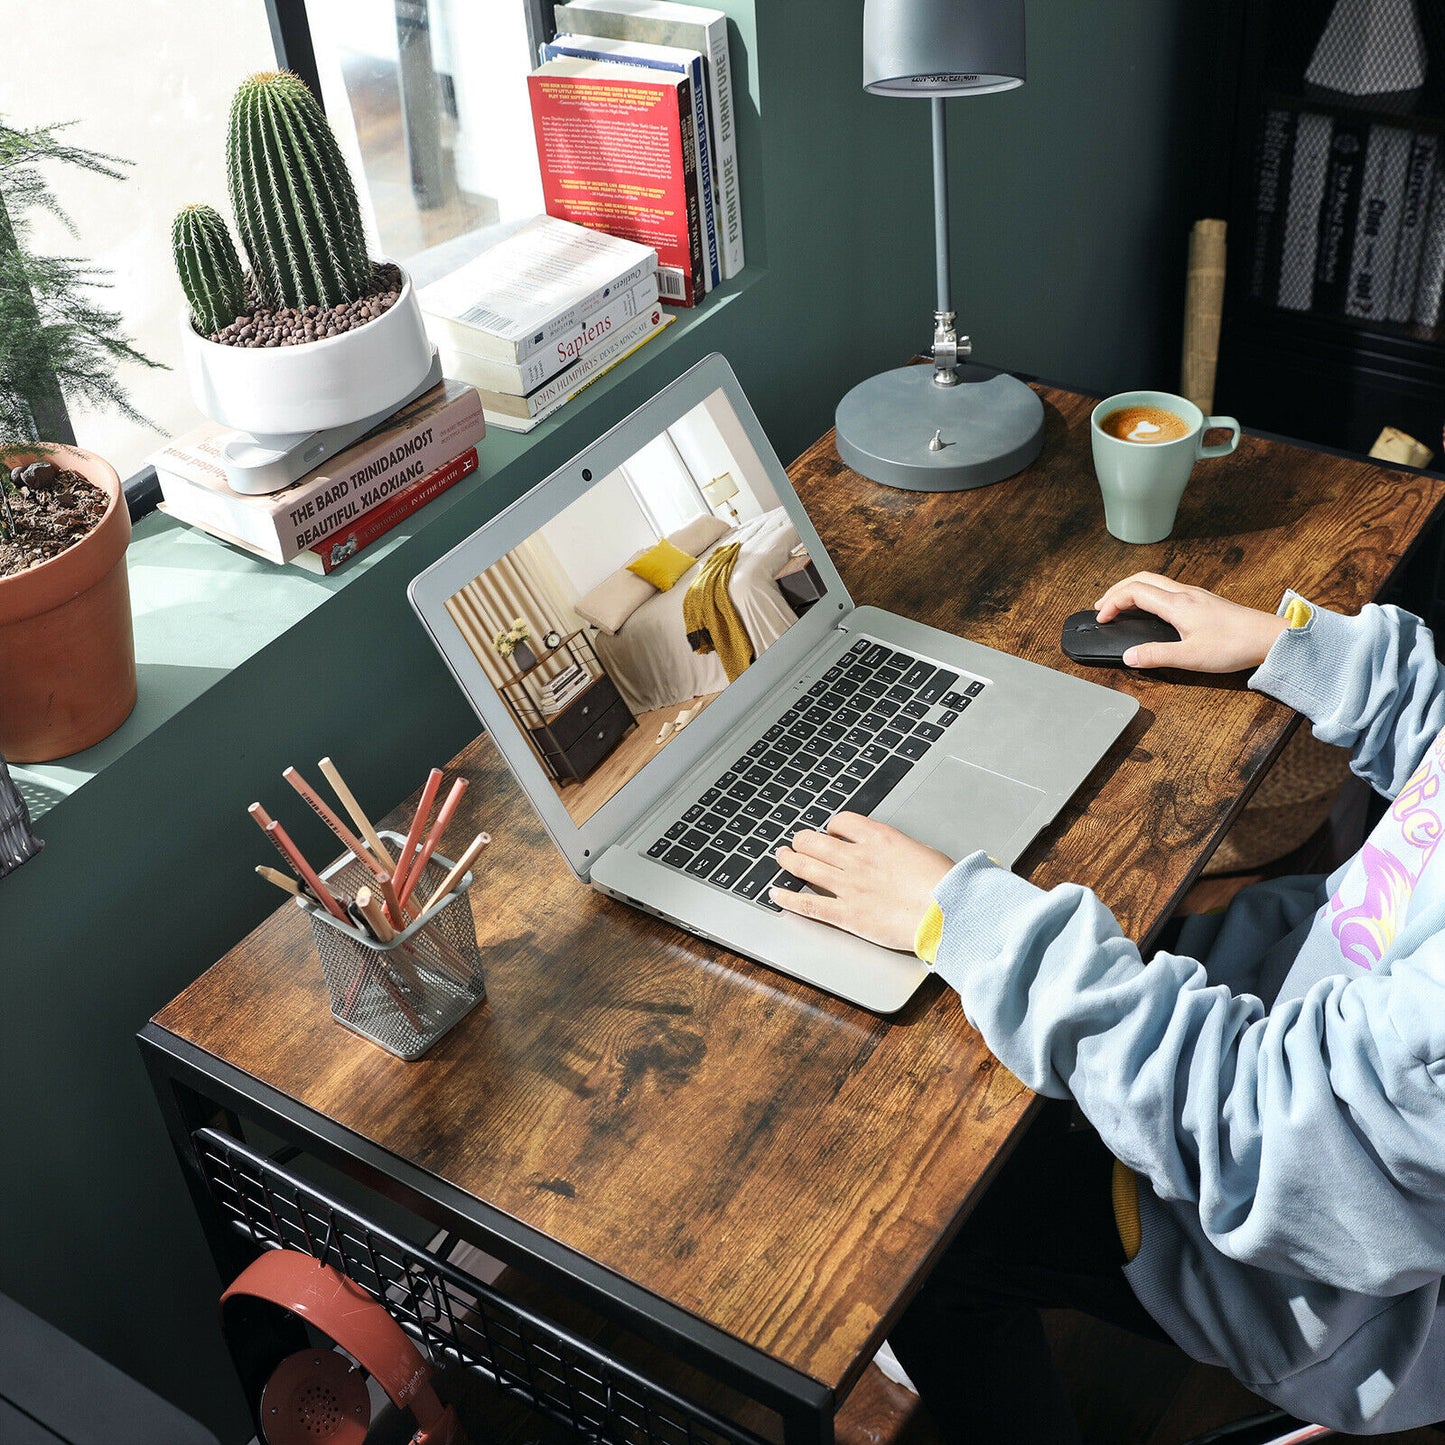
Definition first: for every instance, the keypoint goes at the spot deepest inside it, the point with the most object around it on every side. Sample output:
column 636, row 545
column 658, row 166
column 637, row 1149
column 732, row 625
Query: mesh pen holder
column 403, row 995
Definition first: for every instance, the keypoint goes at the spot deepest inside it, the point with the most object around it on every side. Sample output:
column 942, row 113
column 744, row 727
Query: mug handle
column 1223, row 449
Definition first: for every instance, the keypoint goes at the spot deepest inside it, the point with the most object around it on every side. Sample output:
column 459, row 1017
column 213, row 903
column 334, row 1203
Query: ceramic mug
column 1143, row 473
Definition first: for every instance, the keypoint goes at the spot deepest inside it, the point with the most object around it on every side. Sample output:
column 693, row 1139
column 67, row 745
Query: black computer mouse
column 1086, row 639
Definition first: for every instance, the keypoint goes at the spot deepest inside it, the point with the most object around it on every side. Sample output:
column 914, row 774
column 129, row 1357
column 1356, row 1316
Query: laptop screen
column 611, row 627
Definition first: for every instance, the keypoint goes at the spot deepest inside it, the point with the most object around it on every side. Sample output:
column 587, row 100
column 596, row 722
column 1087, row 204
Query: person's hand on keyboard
column 871, row 879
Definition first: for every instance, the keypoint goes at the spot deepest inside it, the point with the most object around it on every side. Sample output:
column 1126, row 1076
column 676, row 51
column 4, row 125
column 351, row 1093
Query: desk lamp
column 957, row 425
column 720, row 492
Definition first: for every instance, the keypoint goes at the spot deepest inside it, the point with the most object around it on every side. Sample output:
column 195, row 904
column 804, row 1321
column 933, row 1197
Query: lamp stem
column 948, row 347
column 940, row 203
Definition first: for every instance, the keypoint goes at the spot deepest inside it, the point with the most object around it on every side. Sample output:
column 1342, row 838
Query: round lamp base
column 990, row 426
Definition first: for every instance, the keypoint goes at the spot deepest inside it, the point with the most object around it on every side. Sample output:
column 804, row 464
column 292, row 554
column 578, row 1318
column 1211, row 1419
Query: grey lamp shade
column 930, row 48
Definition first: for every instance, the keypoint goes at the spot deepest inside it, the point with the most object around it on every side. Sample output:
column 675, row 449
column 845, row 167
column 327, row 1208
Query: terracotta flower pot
column 67, row 651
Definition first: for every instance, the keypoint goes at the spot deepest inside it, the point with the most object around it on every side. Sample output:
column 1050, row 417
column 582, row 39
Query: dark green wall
column 1071, row 213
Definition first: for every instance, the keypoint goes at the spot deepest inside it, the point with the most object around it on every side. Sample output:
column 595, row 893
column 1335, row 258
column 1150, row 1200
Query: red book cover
column 330, row 552
column 618, row 153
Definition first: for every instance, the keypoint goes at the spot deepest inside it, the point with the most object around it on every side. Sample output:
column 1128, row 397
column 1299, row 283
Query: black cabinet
column 569, row 708
column 1332, row 326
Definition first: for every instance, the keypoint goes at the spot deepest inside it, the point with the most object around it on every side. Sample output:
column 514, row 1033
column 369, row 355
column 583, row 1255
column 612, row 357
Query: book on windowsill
column 692, row 27
column 617, row 152
column 681, row 61
column 328, row 553
column 522, row 413
column 536, row 285
column 426, row 434
column 519, row 378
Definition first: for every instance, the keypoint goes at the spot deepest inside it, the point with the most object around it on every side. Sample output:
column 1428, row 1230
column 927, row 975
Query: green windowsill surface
column 202, row 608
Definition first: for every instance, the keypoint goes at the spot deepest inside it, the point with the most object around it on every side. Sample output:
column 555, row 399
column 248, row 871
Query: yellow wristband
column 928, row 935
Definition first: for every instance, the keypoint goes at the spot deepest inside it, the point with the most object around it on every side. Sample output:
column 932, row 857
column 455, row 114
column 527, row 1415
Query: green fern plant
column 210, row 269
column 293, row 197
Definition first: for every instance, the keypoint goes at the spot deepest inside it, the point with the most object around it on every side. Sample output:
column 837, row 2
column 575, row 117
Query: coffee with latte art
column 1144, row 424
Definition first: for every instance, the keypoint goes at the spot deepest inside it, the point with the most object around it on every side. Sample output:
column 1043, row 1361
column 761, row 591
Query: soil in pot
column 294, row 326
column 46, row 511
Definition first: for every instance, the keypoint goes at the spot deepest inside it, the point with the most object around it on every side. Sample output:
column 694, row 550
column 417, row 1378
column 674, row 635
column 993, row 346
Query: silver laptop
column 672, row 736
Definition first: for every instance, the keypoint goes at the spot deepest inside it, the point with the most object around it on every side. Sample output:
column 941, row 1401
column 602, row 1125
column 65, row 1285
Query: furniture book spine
column 1432, row 258
column 522, row 293
column 659, row 319
column 616, row 153
column 695, row 27
column 1377, row 231
column 1271, row 186
column 1414, row 217
column 1302, row 214
column 1338, row 210
column 420, row 438
column 330, row 552
column 532, row 373
column 672, row 58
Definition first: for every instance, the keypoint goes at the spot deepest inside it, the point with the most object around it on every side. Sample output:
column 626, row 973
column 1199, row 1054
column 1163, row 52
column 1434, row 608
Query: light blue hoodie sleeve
column 1370, row 683
column 1306, row 1139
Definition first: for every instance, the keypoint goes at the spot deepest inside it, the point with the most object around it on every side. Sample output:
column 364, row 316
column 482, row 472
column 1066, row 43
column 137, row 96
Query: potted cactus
column 316, row 335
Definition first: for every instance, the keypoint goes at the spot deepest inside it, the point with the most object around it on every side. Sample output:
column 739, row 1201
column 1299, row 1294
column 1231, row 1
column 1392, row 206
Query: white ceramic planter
column 328, row 383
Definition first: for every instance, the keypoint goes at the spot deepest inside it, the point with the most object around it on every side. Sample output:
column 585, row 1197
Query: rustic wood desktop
column 747, row 1174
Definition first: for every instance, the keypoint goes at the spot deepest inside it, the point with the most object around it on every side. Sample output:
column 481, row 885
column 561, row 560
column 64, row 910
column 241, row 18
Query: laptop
column 671, row 732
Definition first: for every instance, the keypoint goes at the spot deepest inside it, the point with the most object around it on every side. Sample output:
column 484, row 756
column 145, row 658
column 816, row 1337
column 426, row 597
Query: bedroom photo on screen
column 614, row 625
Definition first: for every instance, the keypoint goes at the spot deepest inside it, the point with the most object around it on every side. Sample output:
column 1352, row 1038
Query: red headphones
column 313, row 1392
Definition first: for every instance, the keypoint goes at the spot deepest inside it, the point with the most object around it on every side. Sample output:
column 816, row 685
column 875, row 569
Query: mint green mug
column 1145, row 446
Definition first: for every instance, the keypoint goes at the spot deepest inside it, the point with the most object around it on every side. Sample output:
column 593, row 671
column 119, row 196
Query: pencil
column 444, row 817
column 354, row 810
column 418, row 822
column 281, row 841
column 288, row 885
column 380, row 966
column 349, row 840
column 458, row 870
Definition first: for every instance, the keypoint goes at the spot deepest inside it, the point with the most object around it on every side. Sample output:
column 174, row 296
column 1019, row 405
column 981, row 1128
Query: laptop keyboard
column 845, row 744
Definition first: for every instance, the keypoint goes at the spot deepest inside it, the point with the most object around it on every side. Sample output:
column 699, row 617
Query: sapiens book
column 693, row 27
column 617, row 151
column 522, row 413
column 1302, row 212
column 326, row 555
column 1377, row 228
column 522, row 377
column 1414, row 221
column 1273, row 154
column 674, row 59
column 1338, row 210
column 535, row 285
column 444, row 423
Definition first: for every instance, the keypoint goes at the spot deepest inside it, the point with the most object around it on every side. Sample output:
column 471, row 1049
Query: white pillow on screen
column 696, row 536
column 613, row 600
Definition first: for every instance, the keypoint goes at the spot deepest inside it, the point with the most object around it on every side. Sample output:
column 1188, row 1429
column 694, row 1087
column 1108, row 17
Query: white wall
column 598, row 533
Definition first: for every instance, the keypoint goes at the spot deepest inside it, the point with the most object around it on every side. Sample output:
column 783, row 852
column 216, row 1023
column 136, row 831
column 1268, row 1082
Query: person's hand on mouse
column 876, row 881
column 1215, row 635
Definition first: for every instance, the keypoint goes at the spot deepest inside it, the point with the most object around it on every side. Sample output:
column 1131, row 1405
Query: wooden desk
column 749, row 1173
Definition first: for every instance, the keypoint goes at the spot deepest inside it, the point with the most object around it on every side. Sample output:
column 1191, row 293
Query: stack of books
column 345, row 504
column 632, row 108
column 558, row 691
column 539, row 315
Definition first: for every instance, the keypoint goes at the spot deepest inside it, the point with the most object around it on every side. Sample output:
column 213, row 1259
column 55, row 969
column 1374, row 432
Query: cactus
column 209, row 267
column 292, row 196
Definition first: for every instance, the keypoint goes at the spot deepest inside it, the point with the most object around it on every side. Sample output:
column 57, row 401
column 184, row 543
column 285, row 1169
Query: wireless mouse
column 1088, row 640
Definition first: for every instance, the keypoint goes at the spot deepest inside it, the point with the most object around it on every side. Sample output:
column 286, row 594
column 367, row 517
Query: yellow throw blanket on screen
column 711, row 620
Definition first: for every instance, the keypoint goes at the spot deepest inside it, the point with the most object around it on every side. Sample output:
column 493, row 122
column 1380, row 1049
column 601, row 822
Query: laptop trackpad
column 957, row 807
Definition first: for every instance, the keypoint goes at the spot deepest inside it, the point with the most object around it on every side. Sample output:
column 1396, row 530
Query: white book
column 1302, row 215
column 530, row 288
column 1432, row 259
column 522, row 377
column 691, row 27
column 676, row 60
column 1377, row 226
column 522, row 413
column 1414, row 220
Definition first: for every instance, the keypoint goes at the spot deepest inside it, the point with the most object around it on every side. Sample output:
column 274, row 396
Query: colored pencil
column 296, row 861
column 349, row 840
column 357, row 815
column 418, row 823
column 434, row 835
column 458, row 871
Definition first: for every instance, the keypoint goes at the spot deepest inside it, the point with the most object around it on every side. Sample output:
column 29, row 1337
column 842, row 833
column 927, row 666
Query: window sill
column 202, row 608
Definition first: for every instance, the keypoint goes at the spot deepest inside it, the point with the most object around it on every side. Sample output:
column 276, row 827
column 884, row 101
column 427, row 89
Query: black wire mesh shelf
column 455, row 1317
